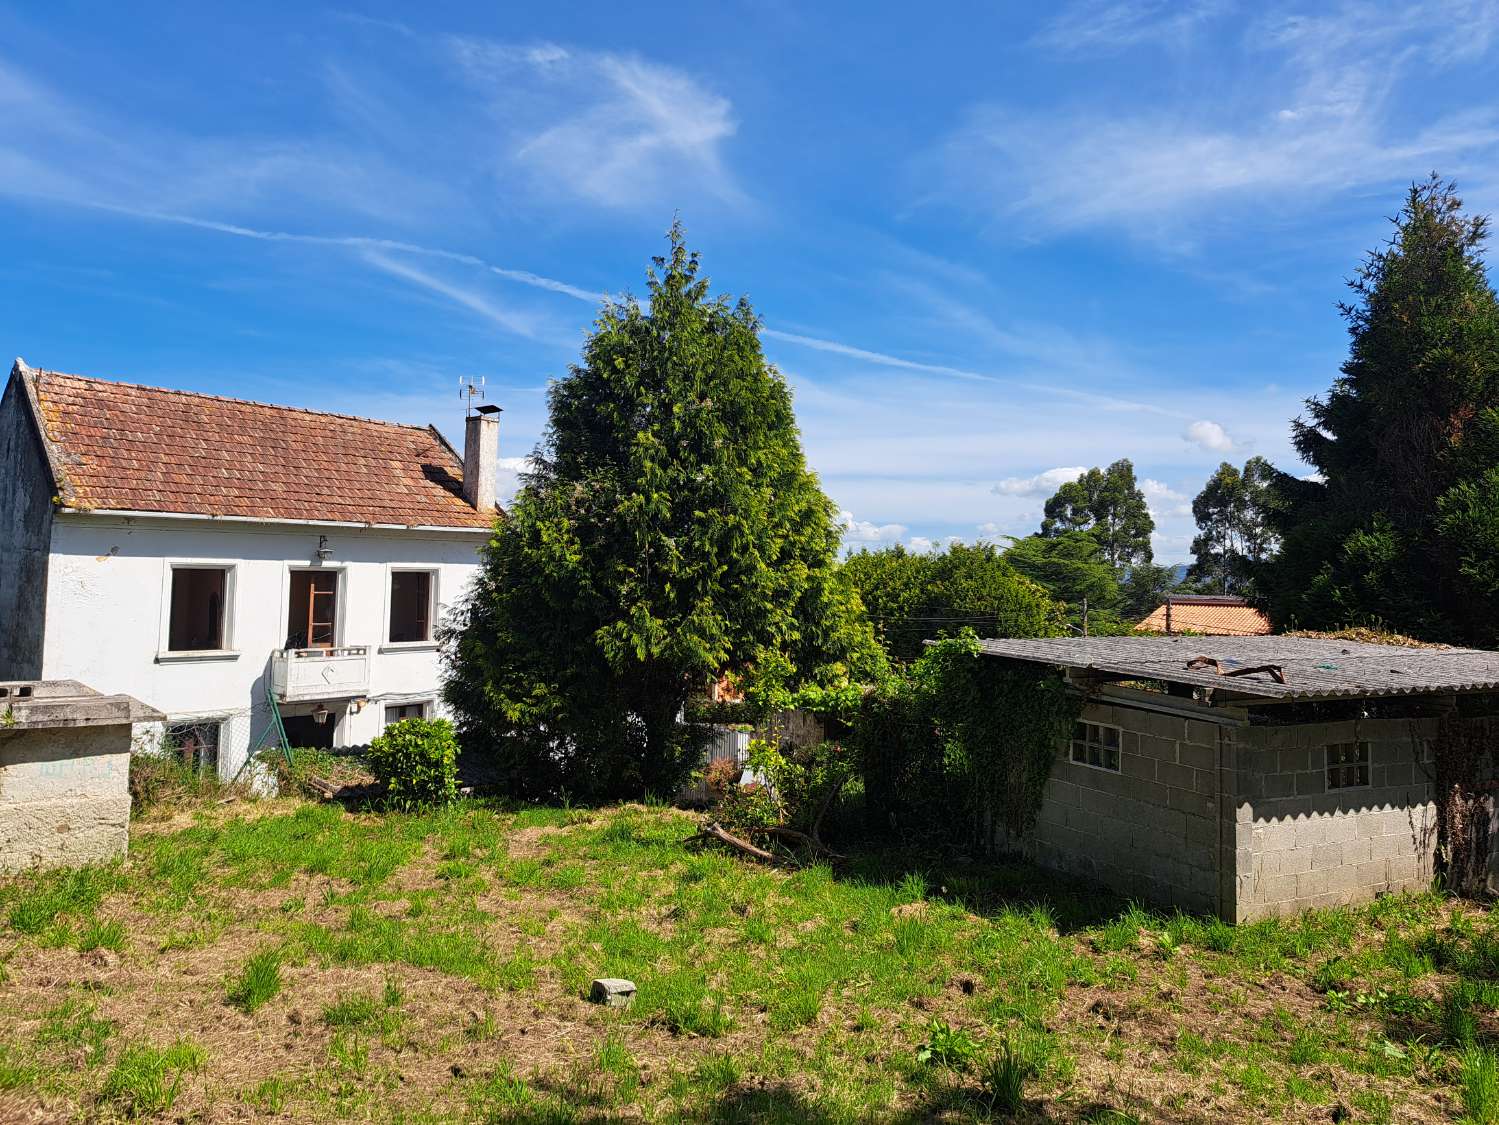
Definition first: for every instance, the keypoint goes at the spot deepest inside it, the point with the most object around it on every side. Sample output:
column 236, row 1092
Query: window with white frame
column 412, row 601
column 395, row 712
column 1347, row 765
column 198, row 613
column 1096, row 745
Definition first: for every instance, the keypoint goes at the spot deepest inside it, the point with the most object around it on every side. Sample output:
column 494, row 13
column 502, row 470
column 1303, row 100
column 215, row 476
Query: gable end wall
column 25, row 536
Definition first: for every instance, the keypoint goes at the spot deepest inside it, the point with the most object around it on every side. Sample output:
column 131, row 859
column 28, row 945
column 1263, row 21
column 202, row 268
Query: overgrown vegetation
column 961, row 746
column 432, row 966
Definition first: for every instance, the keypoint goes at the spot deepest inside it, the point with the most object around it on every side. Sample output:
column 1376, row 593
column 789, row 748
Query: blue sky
column 991, row 244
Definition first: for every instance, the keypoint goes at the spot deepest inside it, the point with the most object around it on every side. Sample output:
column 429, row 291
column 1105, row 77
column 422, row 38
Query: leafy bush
column 416, row 760
column 719, row 776
column 806, row 780
column 746, row 807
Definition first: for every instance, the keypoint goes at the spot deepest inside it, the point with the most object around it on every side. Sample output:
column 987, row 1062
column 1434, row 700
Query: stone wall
column 1153, row 829
column 1299, row 845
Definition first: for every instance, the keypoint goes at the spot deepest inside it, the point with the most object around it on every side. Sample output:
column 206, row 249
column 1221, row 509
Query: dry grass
column 432, row 967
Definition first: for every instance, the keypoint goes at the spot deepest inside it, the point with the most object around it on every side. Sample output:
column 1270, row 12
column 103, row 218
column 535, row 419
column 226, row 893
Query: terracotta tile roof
column 1215, row 617
column 121, row 446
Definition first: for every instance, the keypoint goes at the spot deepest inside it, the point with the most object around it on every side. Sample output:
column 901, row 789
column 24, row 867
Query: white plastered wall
column 108, row 593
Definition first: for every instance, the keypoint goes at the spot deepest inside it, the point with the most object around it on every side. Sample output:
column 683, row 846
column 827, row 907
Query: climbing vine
column 960, row 745
column 1464, row 761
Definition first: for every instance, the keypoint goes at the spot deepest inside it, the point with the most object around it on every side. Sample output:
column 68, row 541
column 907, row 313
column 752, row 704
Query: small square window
column 197, row 744
column 1347, row 765
column 410, row 606
column 197, row 610
column 1096, row 745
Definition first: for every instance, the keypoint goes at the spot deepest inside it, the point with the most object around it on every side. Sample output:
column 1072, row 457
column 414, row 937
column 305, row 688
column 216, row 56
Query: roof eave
column 207, row 517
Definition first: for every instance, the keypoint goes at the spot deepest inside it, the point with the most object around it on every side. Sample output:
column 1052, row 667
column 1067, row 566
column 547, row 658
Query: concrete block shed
column 1254, row 776
column 64, row 773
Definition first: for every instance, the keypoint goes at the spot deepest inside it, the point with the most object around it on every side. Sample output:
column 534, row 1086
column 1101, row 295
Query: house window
column 410, row 606
column 1347, row 765
column 197, row 612
column 395, row 712
column 1096, row 745
column 198, row 745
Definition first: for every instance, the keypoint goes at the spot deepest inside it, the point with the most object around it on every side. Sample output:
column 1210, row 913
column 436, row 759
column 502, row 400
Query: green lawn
column 293, row 960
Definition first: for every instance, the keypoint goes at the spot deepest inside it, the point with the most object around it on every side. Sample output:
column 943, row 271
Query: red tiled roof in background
column 121, row 446
column 1210, row 616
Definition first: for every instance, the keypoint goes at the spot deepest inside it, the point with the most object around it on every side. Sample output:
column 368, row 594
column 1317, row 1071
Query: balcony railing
column 307, row 674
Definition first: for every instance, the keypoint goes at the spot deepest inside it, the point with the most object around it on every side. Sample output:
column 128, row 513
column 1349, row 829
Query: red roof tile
column 1229, row 617
column 121, row 446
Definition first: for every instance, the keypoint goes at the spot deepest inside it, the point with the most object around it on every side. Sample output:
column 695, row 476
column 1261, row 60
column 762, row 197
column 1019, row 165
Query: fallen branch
column 715, row 831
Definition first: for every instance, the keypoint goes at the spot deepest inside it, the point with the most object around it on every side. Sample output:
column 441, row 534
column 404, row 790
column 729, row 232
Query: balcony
column 302, row 675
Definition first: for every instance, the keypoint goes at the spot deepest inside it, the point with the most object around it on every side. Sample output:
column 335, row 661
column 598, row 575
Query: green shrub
column 416, row 760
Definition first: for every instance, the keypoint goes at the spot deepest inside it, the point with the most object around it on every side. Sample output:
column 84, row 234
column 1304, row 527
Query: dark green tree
column 1234, row 536
column 1109, row 506
column 1144, row 587
column 1070, row 565
column 911, row 597
column 669, row 532
column 1399, row 526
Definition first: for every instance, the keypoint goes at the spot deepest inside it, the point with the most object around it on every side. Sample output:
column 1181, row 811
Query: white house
column 207, row 555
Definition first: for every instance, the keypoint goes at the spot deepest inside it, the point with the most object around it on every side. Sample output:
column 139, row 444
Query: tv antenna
column 469, row 390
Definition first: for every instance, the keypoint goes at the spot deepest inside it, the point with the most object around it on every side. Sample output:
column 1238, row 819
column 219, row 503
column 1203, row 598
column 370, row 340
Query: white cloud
column 615, row 129
column 1042, row 484
column 1209, row 436
column 1308, row 107
column 1164, row 501
column 863, row 531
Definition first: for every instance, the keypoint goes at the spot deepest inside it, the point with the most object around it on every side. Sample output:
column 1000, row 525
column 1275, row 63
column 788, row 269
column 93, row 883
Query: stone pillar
column 64, row 773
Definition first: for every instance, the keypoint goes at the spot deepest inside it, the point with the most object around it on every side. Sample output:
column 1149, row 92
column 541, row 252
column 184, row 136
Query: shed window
column 197, row 744
column 197, row 621
column 1094, row 744
column 1347, row 765
column 410, row 606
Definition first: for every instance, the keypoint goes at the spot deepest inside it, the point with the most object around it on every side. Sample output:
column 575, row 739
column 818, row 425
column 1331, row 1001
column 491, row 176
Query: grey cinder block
column 613, row 992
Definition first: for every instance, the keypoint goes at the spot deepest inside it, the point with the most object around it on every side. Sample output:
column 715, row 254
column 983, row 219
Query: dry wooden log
column 716, row 831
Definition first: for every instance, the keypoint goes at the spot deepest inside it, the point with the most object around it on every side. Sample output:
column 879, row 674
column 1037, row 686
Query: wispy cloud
column 1109, row 26
column 470, row 299
column 1307, row 107
column 615, row 129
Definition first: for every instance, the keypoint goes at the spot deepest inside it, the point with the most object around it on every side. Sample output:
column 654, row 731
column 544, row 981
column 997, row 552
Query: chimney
column 481, row 457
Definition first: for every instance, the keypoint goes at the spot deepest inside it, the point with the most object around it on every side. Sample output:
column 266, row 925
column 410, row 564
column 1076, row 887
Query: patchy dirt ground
column 284, row 960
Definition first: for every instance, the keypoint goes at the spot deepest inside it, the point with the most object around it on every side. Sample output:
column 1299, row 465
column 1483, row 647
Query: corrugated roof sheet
column 1314, row 668
column 1215, row 617
column 122, row 446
